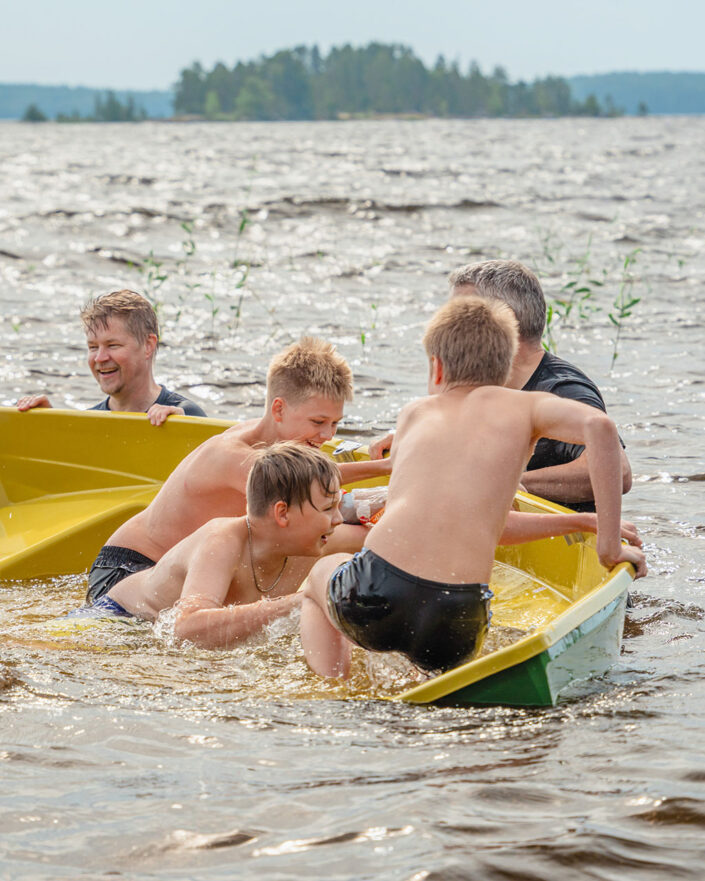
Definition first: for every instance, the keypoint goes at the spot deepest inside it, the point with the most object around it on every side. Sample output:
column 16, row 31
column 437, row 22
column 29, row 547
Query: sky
column 143, row 44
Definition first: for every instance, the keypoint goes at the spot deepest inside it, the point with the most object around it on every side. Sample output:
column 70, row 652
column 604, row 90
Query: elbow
column 626, row 474
column 626, row 480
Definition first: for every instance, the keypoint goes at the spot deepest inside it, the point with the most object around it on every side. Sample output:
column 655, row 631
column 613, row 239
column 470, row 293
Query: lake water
column 125, row 756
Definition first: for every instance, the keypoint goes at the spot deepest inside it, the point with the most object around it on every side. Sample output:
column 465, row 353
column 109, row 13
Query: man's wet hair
column 134, row 309
column 510, row 282
column 285, row 472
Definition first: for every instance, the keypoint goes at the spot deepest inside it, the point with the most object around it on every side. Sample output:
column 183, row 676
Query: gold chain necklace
column 252, row 564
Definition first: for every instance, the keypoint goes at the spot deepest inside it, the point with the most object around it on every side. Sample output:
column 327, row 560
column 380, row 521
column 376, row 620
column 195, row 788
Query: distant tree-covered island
column 108, row 109
column 105, row 109
column 375, row 80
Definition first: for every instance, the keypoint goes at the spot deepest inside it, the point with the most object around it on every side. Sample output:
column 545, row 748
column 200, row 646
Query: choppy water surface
column 126, row 756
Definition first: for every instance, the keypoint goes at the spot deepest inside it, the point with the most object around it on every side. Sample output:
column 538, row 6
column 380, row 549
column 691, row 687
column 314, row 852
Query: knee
column 316, row 585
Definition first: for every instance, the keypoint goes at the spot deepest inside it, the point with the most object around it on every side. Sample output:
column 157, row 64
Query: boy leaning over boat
column 307, row 387
column 220, row 576
column 420, row 584
column 122, row 335
column 556, row 470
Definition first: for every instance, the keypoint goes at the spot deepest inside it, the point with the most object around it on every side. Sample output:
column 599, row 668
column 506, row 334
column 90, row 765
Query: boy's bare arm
column 522, row 526
column 210, row 625
column 573, row 422
column 352, row 471
column 202, row 617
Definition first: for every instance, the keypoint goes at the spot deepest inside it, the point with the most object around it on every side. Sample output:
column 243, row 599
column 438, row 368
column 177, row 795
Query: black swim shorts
column 112, row 564
column 384, row 609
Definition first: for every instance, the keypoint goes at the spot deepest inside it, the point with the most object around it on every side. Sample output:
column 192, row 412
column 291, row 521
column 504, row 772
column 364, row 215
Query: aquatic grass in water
column 185, row 282
column 577, row 300
column 624, row 303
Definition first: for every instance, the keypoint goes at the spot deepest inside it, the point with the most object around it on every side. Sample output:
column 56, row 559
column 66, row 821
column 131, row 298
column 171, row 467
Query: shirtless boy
column 307, row 386
column 122, row 335
column 235, row 574
column 420, row 584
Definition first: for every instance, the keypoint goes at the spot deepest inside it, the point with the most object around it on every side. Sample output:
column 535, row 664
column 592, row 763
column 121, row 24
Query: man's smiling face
column 117, row 359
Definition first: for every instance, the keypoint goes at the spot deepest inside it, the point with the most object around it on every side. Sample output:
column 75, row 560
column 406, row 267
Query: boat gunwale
column 529, row 646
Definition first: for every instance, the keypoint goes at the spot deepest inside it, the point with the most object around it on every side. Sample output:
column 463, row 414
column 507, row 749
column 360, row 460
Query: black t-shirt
column 558, row 377
column 169, row 399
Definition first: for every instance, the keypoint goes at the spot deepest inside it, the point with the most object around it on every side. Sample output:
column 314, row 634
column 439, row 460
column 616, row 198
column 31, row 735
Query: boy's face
column 310, row 422
column 312, row 524
column 116, row 358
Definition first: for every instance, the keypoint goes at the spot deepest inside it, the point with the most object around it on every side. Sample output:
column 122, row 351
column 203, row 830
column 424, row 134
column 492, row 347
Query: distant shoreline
column 664, row 93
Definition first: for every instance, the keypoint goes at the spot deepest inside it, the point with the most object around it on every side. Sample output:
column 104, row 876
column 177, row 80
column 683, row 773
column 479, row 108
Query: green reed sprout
column 624, row 303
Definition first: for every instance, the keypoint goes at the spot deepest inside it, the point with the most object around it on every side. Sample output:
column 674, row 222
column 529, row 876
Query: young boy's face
column 310, row 422
column 117, row 359
column 312, row 524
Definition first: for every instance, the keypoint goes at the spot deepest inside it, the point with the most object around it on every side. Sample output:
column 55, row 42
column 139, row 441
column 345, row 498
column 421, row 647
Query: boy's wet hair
column 510, row 282
column 286, row 472
column 309, row 367
column 134, row 309
column 475, row 340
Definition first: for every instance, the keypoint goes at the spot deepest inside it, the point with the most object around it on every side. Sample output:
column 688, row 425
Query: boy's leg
column 326, row 650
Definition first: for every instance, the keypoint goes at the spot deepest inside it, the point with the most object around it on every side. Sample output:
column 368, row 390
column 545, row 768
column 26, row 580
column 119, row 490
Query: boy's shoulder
column 221, row 529
column 236, row 443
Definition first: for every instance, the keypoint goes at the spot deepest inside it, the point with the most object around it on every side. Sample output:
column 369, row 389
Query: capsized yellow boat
column 69, row 478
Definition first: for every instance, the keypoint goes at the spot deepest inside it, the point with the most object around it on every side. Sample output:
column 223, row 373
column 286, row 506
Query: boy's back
column 208, row 483
column 420, row 584
column 457, row 461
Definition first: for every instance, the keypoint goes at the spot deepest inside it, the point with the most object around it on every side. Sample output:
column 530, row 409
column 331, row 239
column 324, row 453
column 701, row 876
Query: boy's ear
column 436, row 370
column 277, row 409
column 280, row 512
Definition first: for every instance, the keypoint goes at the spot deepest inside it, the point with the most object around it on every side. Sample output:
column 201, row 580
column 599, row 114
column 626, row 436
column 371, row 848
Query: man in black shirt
column 556, row 471
column 122, row 335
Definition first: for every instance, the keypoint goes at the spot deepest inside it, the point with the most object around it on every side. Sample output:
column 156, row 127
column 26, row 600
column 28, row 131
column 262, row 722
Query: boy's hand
column 381, row 446
column 629, row 533
column 157, row 413
column 627, row 554
column 31, row 402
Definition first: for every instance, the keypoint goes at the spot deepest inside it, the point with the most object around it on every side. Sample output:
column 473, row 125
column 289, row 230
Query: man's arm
column 158, row 413
column 570, row 482
column 31, row 402
column 381, row 445
column 559, row 470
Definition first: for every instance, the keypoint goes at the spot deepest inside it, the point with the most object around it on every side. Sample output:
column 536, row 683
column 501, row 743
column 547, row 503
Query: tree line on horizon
column 108, row 109
column 377, row 79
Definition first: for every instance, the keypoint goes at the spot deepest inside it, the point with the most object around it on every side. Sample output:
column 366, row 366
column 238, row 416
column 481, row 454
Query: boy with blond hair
column 234, row 575
column 307, row 386
column 420, row 584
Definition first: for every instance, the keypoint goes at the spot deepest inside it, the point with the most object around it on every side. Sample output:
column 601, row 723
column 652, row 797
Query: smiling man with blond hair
column 122, row 335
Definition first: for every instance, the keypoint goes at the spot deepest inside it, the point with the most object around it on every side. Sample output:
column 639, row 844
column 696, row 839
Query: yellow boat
column 69, row 478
